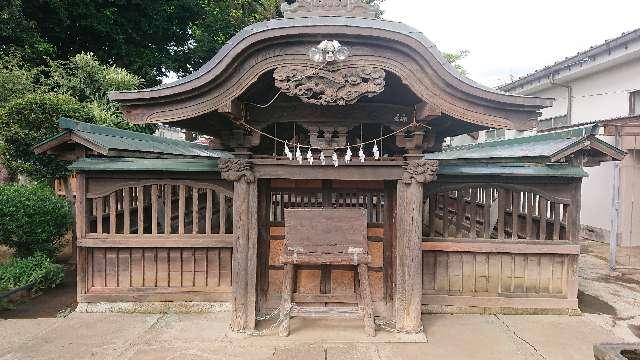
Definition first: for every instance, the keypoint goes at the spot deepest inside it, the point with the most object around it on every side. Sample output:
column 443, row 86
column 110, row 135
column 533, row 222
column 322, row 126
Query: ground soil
column 50, row 304
column 631, row 355
column 5, row 254
column 590, row 304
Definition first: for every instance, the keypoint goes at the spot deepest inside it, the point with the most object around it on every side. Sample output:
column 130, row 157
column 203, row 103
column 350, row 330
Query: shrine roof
column 110, row 141
column 543, row 148
column 246, row 65
column 511, row 169
column 303, row 22
column 141, row 164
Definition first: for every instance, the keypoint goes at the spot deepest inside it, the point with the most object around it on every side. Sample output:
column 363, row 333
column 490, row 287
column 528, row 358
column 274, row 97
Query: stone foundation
column 154, row 307
column 447, row 309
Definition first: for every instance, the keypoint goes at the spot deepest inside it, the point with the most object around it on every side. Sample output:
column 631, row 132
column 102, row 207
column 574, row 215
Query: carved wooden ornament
column 236, row 169
column 420, row 171
column 326, row 87
column 355, row 8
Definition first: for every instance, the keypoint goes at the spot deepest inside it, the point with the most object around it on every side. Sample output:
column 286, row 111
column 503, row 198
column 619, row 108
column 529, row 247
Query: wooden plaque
column 326, row 231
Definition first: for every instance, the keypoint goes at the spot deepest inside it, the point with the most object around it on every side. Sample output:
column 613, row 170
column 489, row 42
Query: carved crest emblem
column 325, row 87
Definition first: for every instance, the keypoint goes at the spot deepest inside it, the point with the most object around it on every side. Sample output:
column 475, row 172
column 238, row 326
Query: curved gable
column 393, row 47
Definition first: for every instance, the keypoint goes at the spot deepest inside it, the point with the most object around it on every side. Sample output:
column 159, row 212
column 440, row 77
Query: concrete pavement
column 205, row 336
column 611, row 306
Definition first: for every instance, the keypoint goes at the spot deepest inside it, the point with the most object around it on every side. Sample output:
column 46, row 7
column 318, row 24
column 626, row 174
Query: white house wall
column 601, row 95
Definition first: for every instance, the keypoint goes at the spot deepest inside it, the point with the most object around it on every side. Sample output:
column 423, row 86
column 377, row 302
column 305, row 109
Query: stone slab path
column 205, row 336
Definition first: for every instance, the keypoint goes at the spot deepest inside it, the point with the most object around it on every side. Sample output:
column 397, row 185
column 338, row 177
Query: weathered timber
column 389, row 239
column 287, row 293
column 408, row 260
column 81, row 228
column 492, row 246
column 307, row 231
column 149, row 241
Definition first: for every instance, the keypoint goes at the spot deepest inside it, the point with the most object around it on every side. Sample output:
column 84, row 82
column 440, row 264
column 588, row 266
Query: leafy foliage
column 16, row 78
column 33, row 99
column 32, row 219
column 455, row 57
column 136, row 35
column 219, row 21
column 30, row 120
column 18, row 33
column 148, row 38
column 86, row 79
column 37, row 270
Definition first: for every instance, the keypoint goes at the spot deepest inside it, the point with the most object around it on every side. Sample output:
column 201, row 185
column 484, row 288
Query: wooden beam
column 81, row 228
column 388, row 246
column 114, row 295
column 299, row 112
column 244, row 268
column 510, row 247
column 408, row 261
column 215, row 241
column 285, row 169
column 498, row 302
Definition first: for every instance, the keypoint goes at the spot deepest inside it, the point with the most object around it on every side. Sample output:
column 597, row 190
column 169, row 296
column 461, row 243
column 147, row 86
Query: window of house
column 634, row 103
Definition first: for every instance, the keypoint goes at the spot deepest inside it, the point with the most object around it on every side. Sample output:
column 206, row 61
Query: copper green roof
column 511, row 169
column 542, row 148
column 138, row 164
column 110, row 141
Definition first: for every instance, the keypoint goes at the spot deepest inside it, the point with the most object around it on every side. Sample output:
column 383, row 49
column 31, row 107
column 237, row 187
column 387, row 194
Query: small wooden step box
column 327, row 237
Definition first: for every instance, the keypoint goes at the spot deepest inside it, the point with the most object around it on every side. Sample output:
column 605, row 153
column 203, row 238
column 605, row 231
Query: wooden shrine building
column 288, row 105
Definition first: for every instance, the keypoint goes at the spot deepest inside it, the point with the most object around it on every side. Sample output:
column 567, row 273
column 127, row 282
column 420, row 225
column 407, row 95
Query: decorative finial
column 306, row 8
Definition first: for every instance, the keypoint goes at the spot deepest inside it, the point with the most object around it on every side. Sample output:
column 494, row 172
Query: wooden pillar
column 573, row 224
column 325, row 270
column 389, row 240
column 81, row 229
column 245, row 244
column 408, row 249
column 264, row 202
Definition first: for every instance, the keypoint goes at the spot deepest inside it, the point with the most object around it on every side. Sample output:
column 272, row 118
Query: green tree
column 26, row 122
column 85, row 79
column 17, row 79
column 140, row 36
column 32, row 101
column 220, row 21
column 223, row 19
column 19, row 34
column 454, row 59
column 147, row 38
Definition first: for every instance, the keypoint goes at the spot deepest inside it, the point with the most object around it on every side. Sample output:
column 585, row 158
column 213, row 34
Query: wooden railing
column 499, row 245
column 496, row 211
column 371, row 200
column 160, row 209
column 154, row 240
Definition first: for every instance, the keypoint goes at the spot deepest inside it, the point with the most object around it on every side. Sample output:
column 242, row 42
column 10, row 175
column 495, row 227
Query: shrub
column 32, row 219
column 37, row 270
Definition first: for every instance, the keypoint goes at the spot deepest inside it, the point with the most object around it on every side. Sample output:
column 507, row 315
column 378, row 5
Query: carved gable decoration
column 420, row 171
column 326, row 87
column 236, row 169
column 355, row 8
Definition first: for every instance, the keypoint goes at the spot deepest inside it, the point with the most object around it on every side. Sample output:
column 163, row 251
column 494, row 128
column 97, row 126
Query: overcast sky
column 515, row 37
